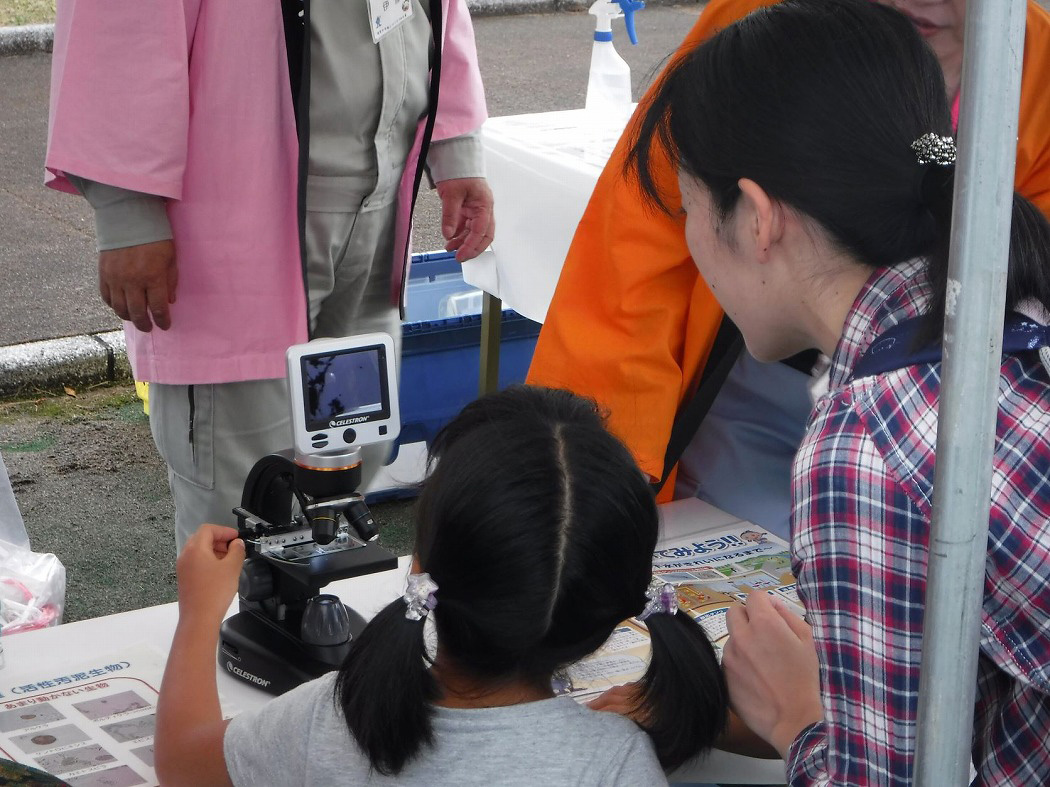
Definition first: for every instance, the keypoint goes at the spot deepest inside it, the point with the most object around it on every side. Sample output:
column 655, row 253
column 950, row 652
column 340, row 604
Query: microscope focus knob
column 325, row 621
column 256, row 580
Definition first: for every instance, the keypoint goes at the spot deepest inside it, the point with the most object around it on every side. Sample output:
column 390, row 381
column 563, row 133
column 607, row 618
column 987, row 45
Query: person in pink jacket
column 253, row 171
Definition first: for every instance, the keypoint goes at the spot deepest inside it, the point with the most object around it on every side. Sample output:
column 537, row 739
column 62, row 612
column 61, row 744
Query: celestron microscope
column 305, row 523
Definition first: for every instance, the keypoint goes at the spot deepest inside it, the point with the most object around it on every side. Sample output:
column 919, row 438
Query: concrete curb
column 39, row 38
column 26, row 39
column 77, row 361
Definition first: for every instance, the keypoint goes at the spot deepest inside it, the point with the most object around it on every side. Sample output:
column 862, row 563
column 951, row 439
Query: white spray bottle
column 609, row 83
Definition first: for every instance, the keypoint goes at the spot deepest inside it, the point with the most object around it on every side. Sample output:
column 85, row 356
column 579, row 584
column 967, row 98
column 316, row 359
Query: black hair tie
column 935, row 185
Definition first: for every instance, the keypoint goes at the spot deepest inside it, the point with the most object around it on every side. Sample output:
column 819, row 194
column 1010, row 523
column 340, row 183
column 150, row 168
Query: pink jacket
column 189, row 100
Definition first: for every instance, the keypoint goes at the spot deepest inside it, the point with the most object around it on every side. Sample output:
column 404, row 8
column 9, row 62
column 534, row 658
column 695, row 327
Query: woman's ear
column 765, row 218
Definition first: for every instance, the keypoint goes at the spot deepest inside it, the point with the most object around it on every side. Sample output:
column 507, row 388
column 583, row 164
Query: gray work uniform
column 366, row 101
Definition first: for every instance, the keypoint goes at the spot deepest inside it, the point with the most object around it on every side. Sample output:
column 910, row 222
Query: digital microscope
column 304, row 520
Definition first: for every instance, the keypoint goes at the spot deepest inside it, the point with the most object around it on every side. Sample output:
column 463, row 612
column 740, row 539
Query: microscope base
column 260, row 653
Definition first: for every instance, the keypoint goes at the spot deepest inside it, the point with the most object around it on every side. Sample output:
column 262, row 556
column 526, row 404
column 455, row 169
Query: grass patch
column 117, row 401
column 26, row 12
column 31, row 446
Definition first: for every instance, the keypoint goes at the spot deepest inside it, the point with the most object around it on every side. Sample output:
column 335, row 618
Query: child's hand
column 620, row 699
column 208, row 570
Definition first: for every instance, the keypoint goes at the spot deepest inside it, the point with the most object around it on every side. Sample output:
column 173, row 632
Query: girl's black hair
column 818, row 101
column 539, row 529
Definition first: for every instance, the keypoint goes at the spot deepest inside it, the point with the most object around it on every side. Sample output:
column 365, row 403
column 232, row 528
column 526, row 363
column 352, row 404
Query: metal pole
column 991, row 83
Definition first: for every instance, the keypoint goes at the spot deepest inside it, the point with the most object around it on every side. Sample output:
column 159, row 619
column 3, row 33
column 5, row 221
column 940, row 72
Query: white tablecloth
column 57, row 650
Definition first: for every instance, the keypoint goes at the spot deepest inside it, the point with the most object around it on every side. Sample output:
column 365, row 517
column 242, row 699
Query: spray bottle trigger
column 629, row 7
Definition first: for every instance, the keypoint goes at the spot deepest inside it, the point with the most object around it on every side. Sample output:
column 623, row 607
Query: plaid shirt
column 863, row 488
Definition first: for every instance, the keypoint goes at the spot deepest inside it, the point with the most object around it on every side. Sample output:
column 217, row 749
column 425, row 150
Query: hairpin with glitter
column 934, row 149
column 662, row 599
column 419, row 596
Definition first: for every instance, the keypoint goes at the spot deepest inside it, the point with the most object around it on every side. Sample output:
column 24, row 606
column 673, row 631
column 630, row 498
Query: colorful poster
column 711, row 571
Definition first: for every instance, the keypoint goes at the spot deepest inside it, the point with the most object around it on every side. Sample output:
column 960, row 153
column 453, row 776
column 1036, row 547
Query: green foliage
column 26, row 12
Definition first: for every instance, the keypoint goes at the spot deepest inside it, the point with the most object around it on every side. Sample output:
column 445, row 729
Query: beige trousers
column 211, row 435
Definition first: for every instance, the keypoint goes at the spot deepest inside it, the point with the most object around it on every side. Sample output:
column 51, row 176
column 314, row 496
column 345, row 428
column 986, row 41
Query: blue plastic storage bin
column 441, row 349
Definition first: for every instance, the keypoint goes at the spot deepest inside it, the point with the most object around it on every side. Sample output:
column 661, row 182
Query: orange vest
column 631, row 322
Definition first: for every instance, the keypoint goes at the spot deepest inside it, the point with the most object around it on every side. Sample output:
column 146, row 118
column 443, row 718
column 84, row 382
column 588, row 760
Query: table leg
column 491, row 315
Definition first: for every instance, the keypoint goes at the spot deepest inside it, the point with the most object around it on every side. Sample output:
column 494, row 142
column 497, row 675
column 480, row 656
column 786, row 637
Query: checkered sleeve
column 861, row 577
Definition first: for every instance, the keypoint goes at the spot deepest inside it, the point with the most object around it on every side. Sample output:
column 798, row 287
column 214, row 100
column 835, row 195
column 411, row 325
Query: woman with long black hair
column 816, row 166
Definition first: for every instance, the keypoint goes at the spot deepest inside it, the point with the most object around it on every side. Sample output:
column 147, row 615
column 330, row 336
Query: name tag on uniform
column 386, row 15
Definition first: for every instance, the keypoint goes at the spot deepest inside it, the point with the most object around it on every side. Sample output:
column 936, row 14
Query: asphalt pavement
column 86, row 475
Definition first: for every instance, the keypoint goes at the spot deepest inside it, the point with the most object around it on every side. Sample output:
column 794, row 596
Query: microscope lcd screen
column 345, row 385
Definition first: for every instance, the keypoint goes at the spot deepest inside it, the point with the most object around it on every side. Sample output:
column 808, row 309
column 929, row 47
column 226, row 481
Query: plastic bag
column 32, row 589
column 12, row 528
column 32, row 585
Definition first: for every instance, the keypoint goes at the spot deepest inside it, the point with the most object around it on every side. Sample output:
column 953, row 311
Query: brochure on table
column 711, row 569
column 90, row 725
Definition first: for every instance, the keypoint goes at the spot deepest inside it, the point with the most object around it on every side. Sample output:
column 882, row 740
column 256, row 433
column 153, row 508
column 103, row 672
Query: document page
column 711, row 570
column 91, row 726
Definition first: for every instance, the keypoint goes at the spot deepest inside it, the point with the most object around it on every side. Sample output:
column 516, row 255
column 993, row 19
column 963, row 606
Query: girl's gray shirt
column 301, row 738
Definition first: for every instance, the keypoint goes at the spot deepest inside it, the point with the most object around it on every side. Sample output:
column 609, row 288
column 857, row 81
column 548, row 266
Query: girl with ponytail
column 816, row 166
column 535, row 532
